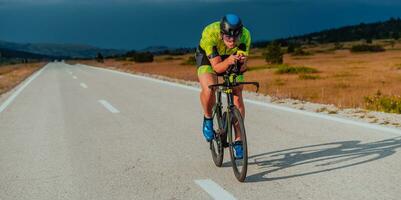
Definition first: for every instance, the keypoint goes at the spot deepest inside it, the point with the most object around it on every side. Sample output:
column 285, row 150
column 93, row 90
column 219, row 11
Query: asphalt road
column 76, row 132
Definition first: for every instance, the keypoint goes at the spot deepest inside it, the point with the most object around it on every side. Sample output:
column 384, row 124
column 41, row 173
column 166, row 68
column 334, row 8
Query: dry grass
column 343, row 78
column 12, row 75
column 161, row 66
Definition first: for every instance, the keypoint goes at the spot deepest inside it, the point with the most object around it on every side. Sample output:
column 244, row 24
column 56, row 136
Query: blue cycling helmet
column 231, row 25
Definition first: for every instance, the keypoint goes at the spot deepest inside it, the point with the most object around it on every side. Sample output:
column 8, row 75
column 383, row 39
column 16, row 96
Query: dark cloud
column 138, row 24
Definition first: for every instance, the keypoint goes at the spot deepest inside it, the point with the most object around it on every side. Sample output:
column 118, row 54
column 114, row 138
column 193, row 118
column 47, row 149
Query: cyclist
column 216, row 52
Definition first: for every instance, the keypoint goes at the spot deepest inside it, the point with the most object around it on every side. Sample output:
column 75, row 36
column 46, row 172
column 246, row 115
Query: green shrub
column 120, row 59
column 338, row 46
column 285, row 69
column 99, row 57
column 367, row 48
column 300, row 52
column 143, row 57
column 392, row 43
column 273, row 53
column 383, row 103
column 396, row 35
column 257, row 68
column 292, row 46
column 190, row 61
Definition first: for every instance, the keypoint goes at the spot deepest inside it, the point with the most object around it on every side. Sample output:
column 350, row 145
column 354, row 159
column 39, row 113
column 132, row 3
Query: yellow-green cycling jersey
column 213, row 45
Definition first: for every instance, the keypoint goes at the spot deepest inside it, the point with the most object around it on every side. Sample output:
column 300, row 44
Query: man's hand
column 232, row 60
column 242, row 58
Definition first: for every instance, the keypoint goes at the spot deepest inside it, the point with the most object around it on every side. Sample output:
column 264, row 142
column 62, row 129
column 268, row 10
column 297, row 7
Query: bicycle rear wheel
column 240, row 166
column 216, row 146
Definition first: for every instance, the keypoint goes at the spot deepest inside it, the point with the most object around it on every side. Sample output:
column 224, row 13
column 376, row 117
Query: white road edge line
column 214, row 190
column 268, row 105
column 74, row 77
column 108, row 106
column 19, row 90
column 83, row 85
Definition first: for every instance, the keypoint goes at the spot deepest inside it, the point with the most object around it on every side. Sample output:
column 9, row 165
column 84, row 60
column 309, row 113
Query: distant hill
column 9, row 54
column 378, row 30
column 60, row 50
column 167, row 50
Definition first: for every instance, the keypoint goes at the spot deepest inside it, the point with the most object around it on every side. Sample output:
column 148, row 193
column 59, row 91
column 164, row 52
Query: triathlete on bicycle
column 217, row 51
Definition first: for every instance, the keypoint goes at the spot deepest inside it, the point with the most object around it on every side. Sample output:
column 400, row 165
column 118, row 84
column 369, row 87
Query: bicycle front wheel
column 236, row 132
column 216, row 146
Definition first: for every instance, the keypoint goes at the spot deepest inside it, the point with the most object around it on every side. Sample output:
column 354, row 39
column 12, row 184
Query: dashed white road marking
column 84, row 85
column 74, row 77
column 108, row 106
column 214, row 190
column 268, row 105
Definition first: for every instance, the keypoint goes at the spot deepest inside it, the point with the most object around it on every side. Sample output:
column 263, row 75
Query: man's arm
column 244, row 51
column 220, row 66
column 243, row 62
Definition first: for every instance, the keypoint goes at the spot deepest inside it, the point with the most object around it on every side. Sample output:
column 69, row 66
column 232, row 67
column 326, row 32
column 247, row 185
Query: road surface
column 78, row 132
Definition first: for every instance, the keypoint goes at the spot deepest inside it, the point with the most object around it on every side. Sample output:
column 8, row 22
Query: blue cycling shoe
column 238, row 150
column 208, row 131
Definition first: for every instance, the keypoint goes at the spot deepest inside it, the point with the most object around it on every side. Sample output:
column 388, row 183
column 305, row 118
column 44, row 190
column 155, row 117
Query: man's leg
column 239, row 103
column 207, row 96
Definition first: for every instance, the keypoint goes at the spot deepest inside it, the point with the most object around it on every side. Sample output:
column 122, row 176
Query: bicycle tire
column 240, row 166
column 216, row 146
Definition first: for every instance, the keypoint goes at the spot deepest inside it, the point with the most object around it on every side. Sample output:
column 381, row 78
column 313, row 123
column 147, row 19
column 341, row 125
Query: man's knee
column 238, row 96
column 239, row 102
column 207, row 92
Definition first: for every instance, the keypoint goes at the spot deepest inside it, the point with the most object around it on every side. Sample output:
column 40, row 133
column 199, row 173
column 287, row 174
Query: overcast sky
column 176, row 23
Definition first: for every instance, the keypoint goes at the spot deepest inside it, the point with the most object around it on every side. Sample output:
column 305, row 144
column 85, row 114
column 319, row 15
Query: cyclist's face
column 229, row 41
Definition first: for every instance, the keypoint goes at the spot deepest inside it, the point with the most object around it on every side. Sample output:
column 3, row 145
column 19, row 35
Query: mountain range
column 60, row 50
column 378, row 30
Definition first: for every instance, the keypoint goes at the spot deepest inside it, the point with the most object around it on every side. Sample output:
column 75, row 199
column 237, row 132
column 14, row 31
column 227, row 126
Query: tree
column 99, row 57
column 291, row 47
column 396, row 35
column 338, row 46
column 273, row 54
column 143, row 57
column 130, row 53
column 392, row 43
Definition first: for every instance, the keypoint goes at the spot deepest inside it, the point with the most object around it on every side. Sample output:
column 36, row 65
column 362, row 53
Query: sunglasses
column 230, row 37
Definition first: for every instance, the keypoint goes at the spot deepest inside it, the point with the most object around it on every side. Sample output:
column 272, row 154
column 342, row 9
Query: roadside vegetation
column 286, row 69
column 190, row 61
column 384, row 103
column 12, row 75
column 366, row 48
column 322, row 67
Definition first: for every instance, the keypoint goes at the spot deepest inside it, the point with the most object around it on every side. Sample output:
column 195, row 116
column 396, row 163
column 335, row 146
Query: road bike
column 229, row 124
